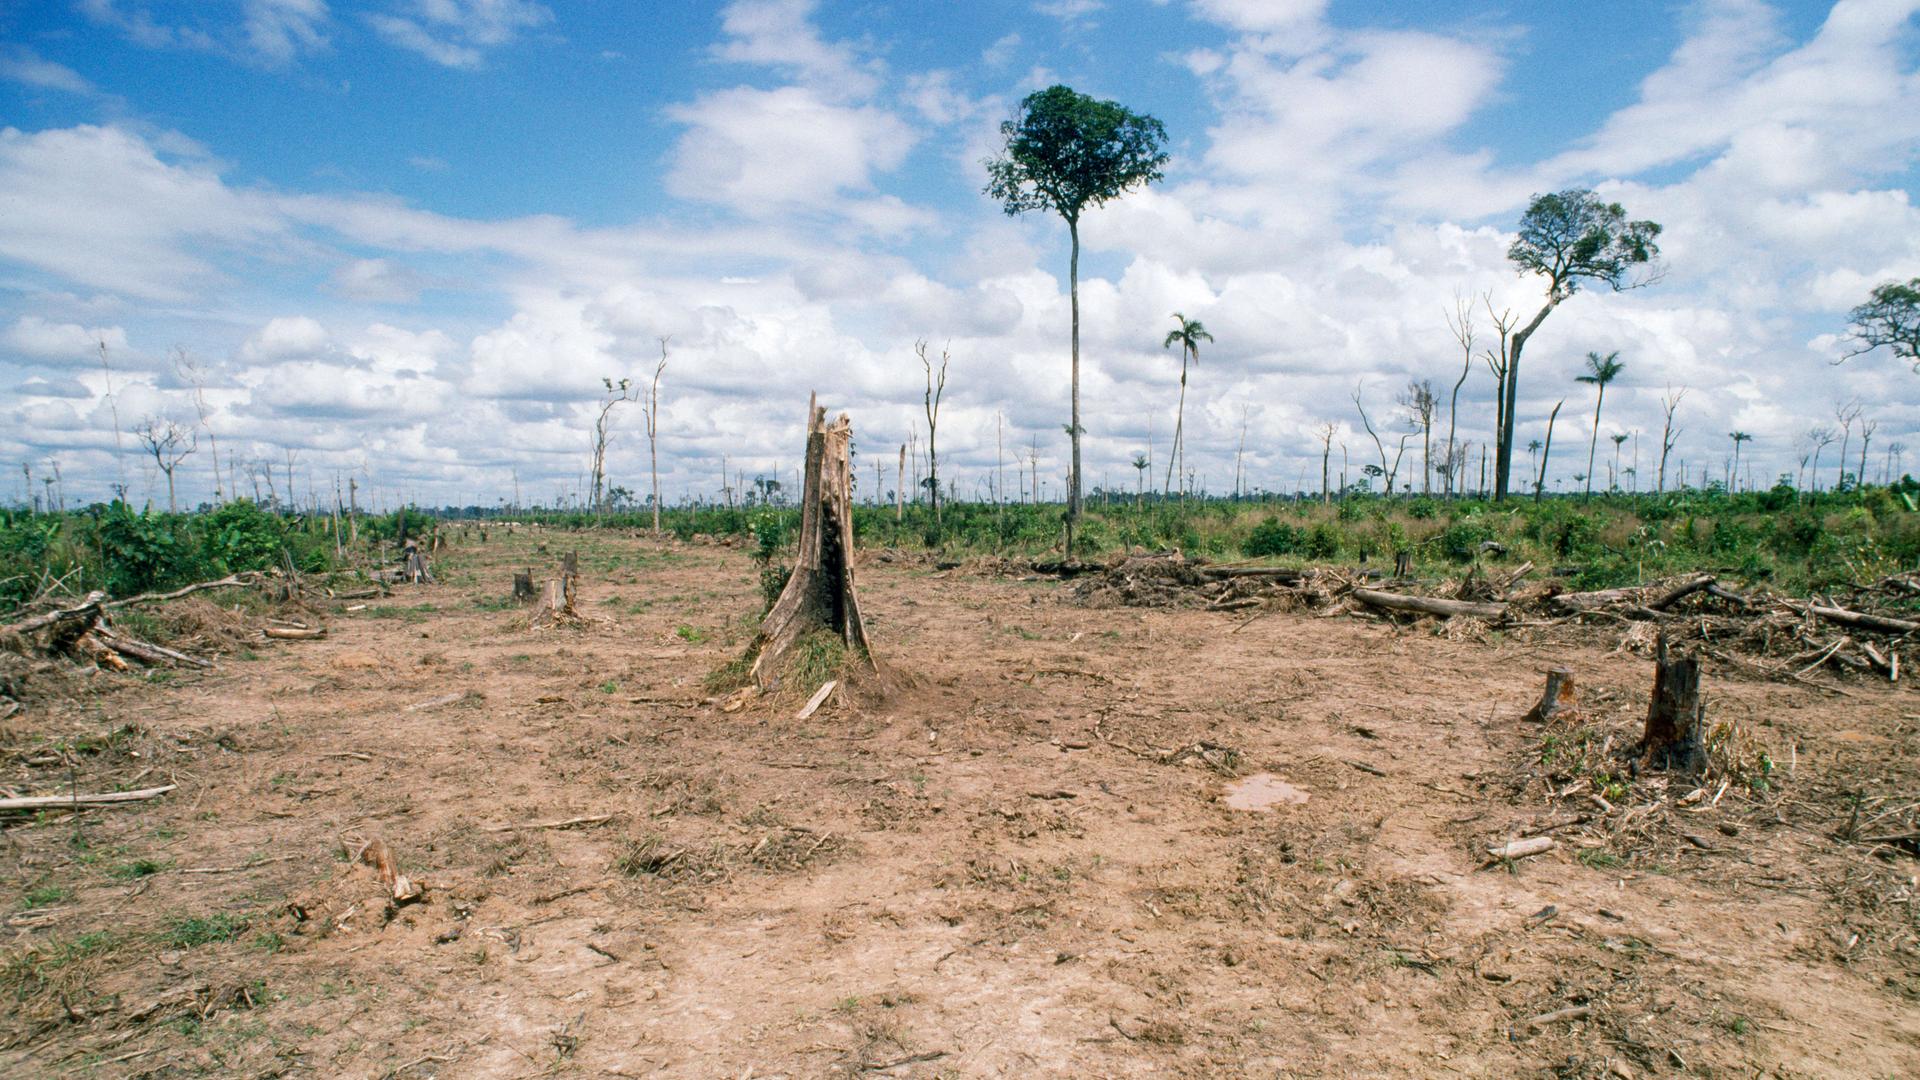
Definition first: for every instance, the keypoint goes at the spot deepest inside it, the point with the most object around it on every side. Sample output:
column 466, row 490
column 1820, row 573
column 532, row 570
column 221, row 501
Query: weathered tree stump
column 1676, row 713
column 820, row 593
column 523, row 591
column 1556, row 701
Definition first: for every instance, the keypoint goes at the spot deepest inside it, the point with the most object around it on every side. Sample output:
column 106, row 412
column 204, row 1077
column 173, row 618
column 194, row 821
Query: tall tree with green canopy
column 1890, row 317
column 1601, row 370
column 1188, row 337
column 1569, row 237
column 1064, row 152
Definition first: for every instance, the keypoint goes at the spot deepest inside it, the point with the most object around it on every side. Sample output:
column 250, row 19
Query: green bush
column 1273, row 537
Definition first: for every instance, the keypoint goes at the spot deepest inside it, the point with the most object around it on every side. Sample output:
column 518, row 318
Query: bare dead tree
column 1499, row 360
column 935, row 388
column 1846, row 412
column 292, row 456
column 1326, row 456
column 1540, row 483
column 1866, row 435
column 1668, row 433
column 169, row 444
column 1386, row 474
column 651, row 407
column 1240, row 455
column 615, row 394
column 1821, row 438
column 1419, row 401
column 113, row 407
column 1461, row 323
column 189, row 369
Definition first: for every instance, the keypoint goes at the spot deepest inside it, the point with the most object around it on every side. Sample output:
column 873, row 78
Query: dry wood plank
column 1520, row 849
column 288, row 633
column 819, row 698
column 566, row 824
column 1429, row 605
column 109, row 798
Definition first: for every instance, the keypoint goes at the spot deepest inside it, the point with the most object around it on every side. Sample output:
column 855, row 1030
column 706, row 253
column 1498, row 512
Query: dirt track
column 999, row 870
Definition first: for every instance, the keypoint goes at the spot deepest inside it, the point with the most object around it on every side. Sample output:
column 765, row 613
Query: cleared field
column 1022, row 861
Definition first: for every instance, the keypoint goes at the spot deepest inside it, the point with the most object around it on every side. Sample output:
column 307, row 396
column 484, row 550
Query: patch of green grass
column 137, row 869
column 191, row 931
column 1598, row 858
column 610, row 687
column 816, row 657
column 689, row 634
column 494, row 603
column 44, row 896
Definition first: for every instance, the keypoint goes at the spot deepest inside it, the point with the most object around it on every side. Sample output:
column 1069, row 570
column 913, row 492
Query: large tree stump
column 1556, row 701
column 820, row 594
column 1676, row 714
column 523, row 591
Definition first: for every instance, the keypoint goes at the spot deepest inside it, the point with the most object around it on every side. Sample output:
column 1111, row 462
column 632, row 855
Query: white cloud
column 291, row 337
column 1261, row 16
column 66, row 344
column 1001, row 51
column 377, row 280
column 762, row 152
column 780, row 34
column 109, row 212
column 458, row 33
column 23, row 65
column 278, row 31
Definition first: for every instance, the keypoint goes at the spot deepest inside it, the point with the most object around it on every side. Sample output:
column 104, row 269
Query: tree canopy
column 1066, row 151
column 1571, row 236
column 1890, row 317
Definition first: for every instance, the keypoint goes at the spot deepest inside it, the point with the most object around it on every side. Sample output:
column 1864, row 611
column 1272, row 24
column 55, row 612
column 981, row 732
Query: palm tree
column 1140, row 464
column 1533, row 456
column 1188, row 337
column 1613, row 477
column 1601, row 370
column 1738, row 437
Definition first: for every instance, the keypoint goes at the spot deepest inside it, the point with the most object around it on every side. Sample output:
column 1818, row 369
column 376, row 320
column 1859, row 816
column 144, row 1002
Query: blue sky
column 406, row 238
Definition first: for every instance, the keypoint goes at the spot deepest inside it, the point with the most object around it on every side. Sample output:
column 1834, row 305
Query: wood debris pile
column 1871, row 630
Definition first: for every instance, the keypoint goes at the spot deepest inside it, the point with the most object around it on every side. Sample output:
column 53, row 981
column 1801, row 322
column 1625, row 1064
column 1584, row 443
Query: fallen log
column 1428, row 605
column 1588, row 601
column 85, row 612
column 1284, row 574
column 1859, row 619
column 288, row 633
column 145, row 651
column 231, row 581
column 1520, row 849
column 1685, row 589
column 56, row 802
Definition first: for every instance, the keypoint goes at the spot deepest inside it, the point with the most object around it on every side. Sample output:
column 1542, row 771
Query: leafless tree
column 1326, row 455
column 113, row 406
column 292, row 456
column 1866, row 435
column 614, row 395
column 169, row 443
column 651, row 408
column 1668, row 433
column 1240, row 455
column 1461, row 323
column 1846, row 412
column 1499, row 361
column 189, row 369
column 1546, row 451
column 1821, row 438
column 1420, row 403
column 936, row 386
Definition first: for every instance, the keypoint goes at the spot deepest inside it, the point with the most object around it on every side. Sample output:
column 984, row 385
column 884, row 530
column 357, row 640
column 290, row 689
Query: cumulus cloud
column 762, row 152
column 65, row 343
column 278, row 31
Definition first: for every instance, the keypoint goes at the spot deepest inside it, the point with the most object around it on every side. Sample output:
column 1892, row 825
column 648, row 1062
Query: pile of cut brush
column 1172, row 579
column 1873, row 629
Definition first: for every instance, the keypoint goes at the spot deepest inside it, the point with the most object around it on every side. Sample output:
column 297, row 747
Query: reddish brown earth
column 1003, row 868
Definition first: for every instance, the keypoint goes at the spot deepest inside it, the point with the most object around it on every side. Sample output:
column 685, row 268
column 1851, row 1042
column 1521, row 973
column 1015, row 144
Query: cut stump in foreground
column 820, row 593
column 1676, row 714
column 1556, row 701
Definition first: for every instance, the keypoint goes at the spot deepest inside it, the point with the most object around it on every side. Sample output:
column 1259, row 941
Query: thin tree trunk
column 1594, row 439
column 1073, row 288
column 1546, row 450
column 1503, row 453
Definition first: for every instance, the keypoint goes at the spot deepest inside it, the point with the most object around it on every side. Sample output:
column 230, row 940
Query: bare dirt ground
column 1020, row 863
